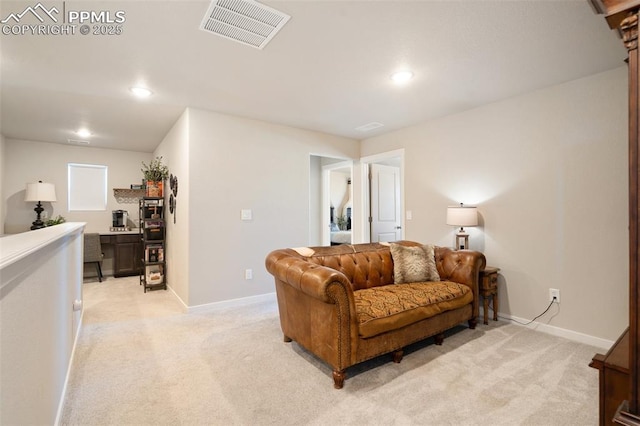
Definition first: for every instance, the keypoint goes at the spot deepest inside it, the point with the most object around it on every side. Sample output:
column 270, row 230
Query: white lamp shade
column 462, row 216
column 40, row 192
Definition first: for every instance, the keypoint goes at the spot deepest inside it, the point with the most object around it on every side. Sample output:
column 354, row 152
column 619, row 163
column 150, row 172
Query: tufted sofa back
column 371, row 265
column 365, row 265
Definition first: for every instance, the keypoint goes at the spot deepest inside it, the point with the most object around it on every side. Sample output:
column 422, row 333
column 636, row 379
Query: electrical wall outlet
column 554, row 293
column 248, row 274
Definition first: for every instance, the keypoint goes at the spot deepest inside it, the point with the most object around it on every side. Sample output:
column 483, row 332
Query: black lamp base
column 38, row 223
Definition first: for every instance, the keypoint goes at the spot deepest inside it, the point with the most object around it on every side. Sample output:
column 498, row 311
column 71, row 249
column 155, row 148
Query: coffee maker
column 119, row 218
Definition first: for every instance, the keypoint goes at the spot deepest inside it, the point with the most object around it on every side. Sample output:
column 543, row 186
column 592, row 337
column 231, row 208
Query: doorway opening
column 383, row 193
column 332, row 212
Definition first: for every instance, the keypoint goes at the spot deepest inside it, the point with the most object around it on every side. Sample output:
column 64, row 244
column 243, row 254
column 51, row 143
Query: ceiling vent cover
column 78, row 142
column 245, row 21
column 369, row 127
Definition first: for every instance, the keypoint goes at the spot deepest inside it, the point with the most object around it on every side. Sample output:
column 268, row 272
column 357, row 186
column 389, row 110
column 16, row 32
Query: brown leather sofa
column 338, row 302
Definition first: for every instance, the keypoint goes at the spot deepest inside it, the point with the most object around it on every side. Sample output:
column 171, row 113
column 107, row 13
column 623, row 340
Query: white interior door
column 386, row 222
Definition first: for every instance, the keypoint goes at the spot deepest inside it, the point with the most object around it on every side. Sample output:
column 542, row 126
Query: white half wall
column 40, row 279
column 548, row 172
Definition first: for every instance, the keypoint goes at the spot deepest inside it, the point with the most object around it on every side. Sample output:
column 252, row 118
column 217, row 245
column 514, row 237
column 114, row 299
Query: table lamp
column 462, row 216
column 39, row 192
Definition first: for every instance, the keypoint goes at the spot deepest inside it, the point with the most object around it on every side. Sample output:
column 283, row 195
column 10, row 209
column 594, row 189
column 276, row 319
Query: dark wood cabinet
column 614, row 378
column 624, row 357
column 127, row 256
column 127, row 253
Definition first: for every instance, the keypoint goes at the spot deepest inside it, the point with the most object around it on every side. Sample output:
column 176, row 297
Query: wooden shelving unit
column 153, row 236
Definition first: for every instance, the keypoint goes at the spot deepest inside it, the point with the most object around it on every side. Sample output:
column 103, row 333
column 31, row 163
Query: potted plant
column 55, row 221
column 155, row 174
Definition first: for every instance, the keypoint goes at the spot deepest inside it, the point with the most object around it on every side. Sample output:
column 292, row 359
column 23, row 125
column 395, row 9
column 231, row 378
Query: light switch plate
column 245, row 214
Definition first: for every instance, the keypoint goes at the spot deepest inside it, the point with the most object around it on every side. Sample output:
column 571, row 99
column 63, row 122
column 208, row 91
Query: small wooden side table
column 489, row 288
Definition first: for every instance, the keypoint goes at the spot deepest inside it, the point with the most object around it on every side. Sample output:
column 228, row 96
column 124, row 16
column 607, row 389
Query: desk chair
column 93, row 252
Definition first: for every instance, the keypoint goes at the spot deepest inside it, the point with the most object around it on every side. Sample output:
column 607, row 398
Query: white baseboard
column 538, row 326
column 243, row 301
column 562, row 332
column 185, row 308
column 267, row 297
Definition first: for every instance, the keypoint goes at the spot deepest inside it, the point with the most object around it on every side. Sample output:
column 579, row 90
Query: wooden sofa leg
column 287, row 339
column 397, row 356
column 338, row 379
column 439, row 338
column 472, row 323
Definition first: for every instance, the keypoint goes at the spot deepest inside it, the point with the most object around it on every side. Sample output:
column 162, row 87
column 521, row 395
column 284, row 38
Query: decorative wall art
column 173, row 184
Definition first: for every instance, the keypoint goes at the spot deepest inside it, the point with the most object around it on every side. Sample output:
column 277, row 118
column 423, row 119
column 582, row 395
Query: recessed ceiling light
column 141, row 92
column 401, row 77
column 83, row 133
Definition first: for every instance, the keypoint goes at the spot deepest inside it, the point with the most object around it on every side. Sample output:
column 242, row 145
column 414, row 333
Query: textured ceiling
column 326, row 70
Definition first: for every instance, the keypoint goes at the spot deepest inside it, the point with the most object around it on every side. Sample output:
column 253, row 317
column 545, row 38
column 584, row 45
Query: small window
column 87, row 187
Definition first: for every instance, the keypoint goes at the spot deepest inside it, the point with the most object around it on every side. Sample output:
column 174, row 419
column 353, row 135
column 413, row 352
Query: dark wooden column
column 629, row 28
column 623, row 16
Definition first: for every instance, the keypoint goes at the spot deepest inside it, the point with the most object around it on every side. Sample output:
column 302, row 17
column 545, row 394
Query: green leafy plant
column 342, row 222
column 55, row 221
column 155, row 171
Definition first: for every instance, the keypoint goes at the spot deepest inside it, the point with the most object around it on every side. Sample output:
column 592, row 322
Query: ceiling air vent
column 245, row 21
column 78, row 142
column 369, row 127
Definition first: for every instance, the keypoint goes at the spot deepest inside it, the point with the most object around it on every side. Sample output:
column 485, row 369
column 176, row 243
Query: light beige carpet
column 141, row 361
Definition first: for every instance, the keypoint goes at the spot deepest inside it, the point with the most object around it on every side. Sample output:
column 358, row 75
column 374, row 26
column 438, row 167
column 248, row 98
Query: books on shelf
column 154, row 253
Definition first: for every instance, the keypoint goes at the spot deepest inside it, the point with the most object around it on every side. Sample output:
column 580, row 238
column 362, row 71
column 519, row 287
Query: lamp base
column 462, row 241
column 38, row 222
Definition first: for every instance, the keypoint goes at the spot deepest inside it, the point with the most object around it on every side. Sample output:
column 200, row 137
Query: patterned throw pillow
column 414, row 264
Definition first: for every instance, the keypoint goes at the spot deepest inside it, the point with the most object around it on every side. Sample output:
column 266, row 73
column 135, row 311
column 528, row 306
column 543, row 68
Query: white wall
column 28, row 161
column 174, row 150
column 235, row 164
column 315, row 200
column 548, row 172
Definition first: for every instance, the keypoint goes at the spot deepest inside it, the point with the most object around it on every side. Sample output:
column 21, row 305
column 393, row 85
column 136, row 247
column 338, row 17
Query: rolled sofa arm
column 461, row 266
column 288, row 266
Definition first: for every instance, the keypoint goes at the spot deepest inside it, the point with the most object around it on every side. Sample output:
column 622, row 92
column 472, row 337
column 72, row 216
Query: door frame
column 365, row 211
